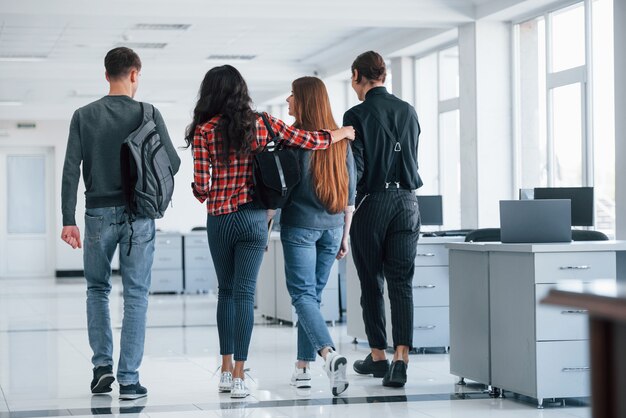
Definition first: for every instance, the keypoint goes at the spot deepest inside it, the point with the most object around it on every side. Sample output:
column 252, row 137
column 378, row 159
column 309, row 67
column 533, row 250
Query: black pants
column 384, row 235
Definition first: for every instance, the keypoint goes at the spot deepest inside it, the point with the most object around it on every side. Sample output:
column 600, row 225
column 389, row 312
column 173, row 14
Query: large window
column 437, row 105
column 564, row 100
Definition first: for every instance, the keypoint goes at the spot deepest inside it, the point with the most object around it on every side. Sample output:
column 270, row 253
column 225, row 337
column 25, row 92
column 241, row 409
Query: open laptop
column 546, row 220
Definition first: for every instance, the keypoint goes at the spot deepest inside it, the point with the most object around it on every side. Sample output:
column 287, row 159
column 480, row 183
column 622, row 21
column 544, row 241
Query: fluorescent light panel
column 143, row 45
column 161, row 26
column 227, row 57
column 10, row 103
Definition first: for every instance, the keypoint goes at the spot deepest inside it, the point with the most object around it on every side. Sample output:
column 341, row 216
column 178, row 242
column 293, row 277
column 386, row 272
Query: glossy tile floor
column 45, row 368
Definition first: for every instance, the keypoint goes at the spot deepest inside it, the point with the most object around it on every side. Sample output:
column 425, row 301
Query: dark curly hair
column 224, row 92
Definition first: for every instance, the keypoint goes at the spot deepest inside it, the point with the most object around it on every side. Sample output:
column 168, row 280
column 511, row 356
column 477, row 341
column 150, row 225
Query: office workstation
column 501, row 334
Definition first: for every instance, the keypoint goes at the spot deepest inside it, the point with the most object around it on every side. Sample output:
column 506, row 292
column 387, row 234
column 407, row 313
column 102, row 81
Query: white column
column 619, row 25
column 486, row 121
column 403, row 85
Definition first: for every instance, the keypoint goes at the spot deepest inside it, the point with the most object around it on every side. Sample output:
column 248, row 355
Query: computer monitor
column 526, row 194
column 523, row 221
column 581, row 197
column 431, row 209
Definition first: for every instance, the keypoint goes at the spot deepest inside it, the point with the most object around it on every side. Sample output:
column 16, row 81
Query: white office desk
column 501, row 336
column 430, row 296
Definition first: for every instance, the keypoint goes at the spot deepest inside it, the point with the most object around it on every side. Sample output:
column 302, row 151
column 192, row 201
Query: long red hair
column 328, row 167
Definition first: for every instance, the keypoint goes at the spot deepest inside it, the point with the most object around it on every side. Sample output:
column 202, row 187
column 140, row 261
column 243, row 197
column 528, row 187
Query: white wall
column 186, row 212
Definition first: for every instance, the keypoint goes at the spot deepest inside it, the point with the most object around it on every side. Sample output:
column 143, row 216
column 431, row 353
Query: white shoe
column 239, row 389
column 226, row 382
column 301, row 378
column 335, row 367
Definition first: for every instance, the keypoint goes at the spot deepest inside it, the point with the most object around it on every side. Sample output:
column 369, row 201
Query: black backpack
column 147, row 175
column 275, row 170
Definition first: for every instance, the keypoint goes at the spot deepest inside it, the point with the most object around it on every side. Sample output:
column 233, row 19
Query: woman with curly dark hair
column 224, row 135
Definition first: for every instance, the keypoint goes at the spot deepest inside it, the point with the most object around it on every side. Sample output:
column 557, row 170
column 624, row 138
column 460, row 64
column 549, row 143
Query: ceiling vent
column 26, row 125
column 22, row 57
column 227, row 57
column 143, row 45
column 160, row 26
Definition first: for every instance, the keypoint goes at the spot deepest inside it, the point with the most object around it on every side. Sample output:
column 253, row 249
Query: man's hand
column 71, row 235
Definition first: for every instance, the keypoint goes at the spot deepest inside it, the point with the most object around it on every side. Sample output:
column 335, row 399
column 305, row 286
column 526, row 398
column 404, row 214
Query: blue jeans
column 309, row 256
column 105, row 228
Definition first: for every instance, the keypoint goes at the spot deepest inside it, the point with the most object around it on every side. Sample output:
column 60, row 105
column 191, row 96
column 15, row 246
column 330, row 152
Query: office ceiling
column 51, row 52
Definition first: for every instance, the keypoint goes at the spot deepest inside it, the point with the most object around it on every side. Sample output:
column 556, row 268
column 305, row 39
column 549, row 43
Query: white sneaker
column 239, row 389
column 226, row 382
column 301, row 378
column 335, row 367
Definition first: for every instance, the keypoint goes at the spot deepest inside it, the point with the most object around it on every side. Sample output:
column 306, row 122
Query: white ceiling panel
column 288, row 39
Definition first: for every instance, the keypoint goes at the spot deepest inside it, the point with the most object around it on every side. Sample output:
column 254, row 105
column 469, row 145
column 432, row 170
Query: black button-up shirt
column 376, row 161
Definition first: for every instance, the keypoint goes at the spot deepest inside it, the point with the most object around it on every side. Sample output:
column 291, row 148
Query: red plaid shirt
column 225, row 188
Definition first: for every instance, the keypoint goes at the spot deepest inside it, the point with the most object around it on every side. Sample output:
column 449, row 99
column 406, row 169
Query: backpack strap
column 274, row 140
column 272, row 146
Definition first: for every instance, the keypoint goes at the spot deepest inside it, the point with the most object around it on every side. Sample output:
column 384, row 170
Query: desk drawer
column 431, row 255
column 431, row 286
column 166, row 241
column 167, row 258
column 431, row 327
column 201, row 280
column 167, row 281
column 555, row 323
column 554, row 267
column 563, row 369
column 197, row 240
column 198, row 258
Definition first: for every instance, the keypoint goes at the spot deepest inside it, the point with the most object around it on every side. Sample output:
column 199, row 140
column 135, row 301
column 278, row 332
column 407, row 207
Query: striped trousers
column 384, row 235
column 237, row 243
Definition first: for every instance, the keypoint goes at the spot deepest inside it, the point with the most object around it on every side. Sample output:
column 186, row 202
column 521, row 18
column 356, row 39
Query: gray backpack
column 147, row 175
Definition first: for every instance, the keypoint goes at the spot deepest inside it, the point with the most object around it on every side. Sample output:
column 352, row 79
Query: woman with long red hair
column 314, row 231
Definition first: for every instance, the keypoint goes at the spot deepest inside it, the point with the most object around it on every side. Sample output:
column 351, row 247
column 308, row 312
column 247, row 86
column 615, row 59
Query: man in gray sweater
column 97, row 132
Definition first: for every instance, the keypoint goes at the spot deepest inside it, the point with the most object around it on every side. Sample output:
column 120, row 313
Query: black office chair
column 588, row 235
column 483, row 235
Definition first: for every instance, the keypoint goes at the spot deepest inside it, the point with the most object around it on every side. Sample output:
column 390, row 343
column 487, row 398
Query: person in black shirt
column 386, row 222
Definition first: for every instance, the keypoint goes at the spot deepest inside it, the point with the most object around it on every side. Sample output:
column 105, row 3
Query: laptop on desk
column 530, row 221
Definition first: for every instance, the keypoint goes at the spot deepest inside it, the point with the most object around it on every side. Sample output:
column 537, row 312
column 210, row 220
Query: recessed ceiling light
column 143, row 45
column 161, row 26
column 22, row 58
column 230, row 57
column 10, row 103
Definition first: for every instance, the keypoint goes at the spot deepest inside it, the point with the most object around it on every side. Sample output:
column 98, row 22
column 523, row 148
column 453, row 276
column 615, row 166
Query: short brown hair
column 371, row 66
column 120, row 61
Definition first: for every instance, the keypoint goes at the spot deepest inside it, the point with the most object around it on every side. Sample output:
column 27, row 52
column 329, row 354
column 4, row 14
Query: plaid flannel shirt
column 225, row 188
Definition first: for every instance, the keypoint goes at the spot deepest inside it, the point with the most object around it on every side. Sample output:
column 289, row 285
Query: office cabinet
column 266, row 281
column 430, row 296
column 273, row 300
column 167, row 267
column 500, row 332
column 200, row 273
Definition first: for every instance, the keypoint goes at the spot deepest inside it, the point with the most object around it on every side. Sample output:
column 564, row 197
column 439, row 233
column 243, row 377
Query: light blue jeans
column 105, row 228
column 309, row 256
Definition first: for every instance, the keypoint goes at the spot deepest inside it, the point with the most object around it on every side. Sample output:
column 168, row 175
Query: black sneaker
column 396, row 375
column 134, row 391
column 102, row 379
column 369, row 366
